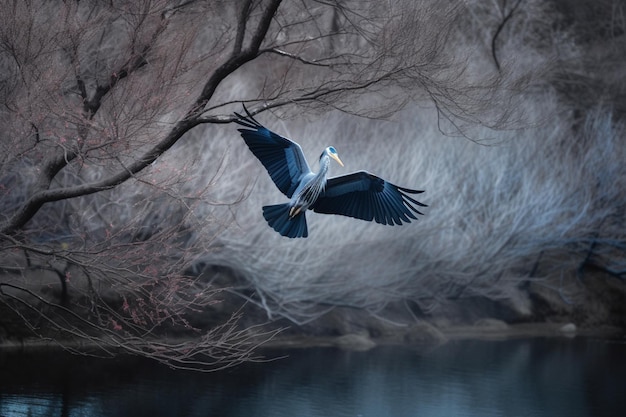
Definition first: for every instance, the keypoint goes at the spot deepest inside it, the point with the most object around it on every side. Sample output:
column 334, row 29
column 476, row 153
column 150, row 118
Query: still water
column 534, row 377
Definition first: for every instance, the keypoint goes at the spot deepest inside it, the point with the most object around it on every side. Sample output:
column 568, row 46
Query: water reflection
column 535, row 377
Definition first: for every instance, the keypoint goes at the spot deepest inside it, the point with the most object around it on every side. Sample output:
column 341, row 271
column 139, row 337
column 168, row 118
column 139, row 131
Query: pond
column 531, row 377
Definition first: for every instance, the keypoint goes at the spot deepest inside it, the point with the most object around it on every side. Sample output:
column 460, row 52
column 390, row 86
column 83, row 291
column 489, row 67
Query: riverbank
column 594, row 307
column 426, row 335
column 421, row 335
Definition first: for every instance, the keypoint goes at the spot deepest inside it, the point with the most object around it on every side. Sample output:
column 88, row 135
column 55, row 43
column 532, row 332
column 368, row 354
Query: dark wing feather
column 282, row 157
column 367, row 197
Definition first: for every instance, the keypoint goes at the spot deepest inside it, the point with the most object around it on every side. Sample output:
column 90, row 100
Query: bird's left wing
column 367, row 197
column 282, row 157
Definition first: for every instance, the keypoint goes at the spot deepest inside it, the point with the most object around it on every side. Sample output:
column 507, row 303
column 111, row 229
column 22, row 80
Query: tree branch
column 316, row 94
column 36, row 201
column 241, row 26
column 295, row 57
column 92, row 105
column 505, row 19
column 237, row 59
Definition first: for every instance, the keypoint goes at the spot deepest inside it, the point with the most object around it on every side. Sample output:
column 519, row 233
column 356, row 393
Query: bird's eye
column 332, row 150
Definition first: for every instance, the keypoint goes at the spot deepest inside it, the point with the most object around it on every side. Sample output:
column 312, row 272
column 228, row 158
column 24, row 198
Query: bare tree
column 95, row 94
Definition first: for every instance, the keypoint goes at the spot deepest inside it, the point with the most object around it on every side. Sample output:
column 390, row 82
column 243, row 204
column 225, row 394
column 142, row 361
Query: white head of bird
column 332, row 152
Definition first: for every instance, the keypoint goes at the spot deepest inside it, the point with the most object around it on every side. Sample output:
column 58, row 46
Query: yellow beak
column 336, row 158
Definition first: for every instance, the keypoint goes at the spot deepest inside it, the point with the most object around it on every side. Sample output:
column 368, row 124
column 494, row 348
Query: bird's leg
column 294, row 211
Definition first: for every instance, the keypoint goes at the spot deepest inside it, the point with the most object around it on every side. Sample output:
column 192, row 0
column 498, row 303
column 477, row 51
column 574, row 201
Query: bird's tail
column 277, row 217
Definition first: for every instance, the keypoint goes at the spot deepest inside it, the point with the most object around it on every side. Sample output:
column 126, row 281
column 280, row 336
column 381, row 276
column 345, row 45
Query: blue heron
column 360, row 195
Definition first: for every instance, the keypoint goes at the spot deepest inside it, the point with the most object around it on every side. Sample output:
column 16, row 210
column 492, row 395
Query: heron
column 360, row 195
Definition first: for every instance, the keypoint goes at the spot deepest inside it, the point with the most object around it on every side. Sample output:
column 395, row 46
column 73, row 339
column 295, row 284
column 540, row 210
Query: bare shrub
column 548, row 192
column 494, row 211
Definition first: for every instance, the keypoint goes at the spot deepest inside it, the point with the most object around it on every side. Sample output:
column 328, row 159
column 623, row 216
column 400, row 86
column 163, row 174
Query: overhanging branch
column 192, row 119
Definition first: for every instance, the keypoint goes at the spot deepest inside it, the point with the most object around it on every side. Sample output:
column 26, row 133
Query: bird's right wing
column 367, row 197
column 282, row 157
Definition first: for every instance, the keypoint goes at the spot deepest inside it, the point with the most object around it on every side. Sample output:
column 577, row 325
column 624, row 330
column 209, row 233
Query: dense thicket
column 130, row 210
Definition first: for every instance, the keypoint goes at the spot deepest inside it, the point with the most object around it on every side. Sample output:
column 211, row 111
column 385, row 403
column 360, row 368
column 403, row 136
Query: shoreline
column 362, row 342
column 424, row 336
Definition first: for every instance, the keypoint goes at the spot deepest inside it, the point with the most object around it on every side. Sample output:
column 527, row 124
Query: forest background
column 130, row 208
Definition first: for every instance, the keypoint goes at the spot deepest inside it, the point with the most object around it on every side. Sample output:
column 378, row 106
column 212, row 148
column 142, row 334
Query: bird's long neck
column 324, row 165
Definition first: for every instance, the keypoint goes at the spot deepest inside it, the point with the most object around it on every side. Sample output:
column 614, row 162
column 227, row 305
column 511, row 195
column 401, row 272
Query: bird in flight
column 360, row 195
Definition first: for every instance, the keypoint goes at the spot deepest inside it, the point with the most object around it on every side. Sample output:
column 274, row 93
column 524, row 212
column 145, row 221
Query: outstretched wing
column 282, row 157
column 367, row 197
